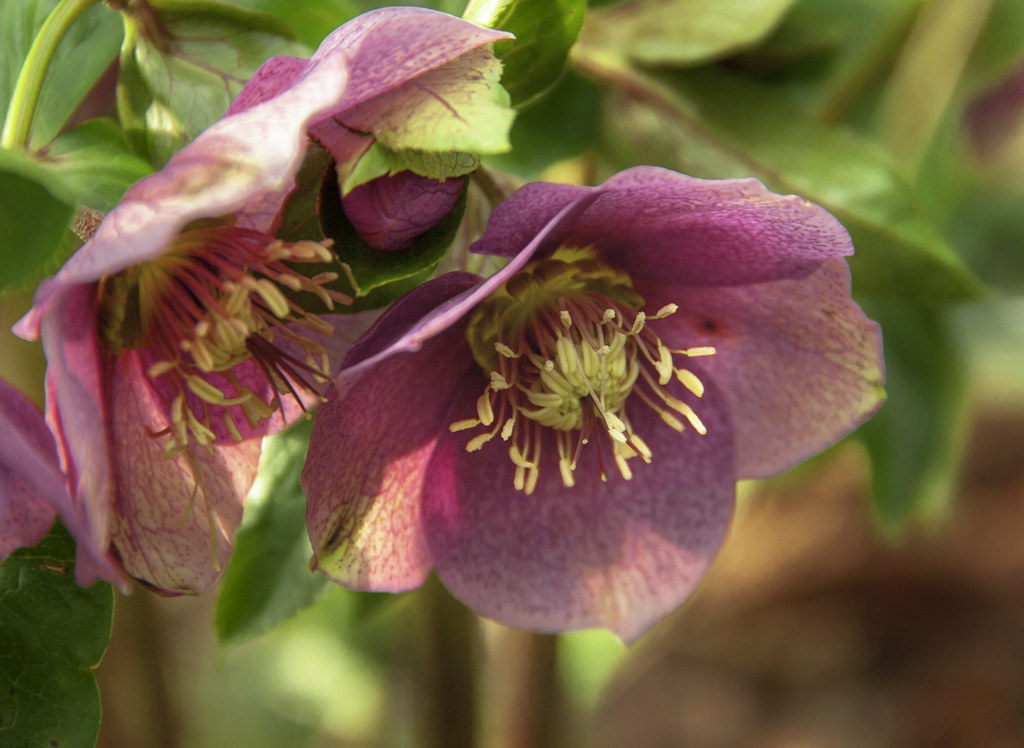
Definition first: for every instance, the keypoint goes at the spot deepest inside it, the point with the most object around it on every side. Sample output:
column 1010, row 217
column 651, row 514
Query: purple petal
column 656, row 223
column 617, row 554
column 235, row 162
column 798, row 362
column 367, row 461
column 30, row 474
column 176, row 518
column 407, row 331
column 76, row 410
column 389, row 212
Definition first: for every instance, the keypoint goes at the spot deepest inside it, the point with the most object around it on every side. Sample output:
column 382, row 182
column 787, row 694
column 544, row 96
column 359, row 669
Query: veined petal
column 30, row 474
column 365, row 470
column 176, row 518
column 799, row 363
column 618, row 554
column 659, row 224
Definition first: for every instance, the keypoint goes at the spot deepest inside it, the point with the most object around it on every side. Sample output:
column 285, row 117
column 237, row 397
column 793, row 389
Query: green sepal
column 379, row 161
column 375, row 278
column 52, row 633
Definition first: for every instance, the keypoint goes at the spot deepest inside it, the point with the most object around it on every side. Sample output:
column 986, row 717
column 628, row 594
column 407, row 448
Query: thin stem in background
column 18, row 124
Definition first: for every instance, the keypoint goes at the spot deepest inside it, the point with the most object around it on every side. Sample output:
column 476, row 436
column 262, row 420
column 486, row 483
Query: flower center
column 214, row 301
column 566, row 346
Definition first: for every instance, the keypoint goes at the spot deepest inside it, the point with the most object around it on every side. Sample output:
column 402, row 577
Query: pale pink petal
column 176, row 518
column 367, row 460
column 617, row 554
column 798, row 362
column 30, row 474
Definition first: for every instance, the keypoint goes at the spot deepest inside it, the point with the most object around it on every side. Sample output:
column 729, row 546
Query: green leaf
column 682, row 32
column 913, row 441
column 95, row 163
column 35, row 211
column 52, row 633
column 716, row 125
column 183, row 62
column 312, row 20
column 268, row 579
column 560, row 126
column 459, row 106
column 379, row 161
column 545, row 30
column 83, row 55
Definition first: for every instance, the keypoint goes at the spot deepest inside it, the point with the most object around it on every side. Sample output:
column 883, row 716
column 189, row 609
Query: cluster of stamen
column 217, row 299
column 566, row 346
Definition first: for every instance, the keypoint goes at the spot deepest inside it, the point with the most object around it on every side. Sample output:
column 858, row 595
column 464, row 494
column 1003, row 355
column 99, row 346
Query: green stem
column 18, row 124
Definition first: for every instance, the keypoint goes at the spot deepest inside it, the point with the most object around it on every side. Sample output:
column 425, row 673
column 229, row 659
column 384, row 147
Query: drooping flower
column 561, row 441
column 400, row 157
column 178, row 335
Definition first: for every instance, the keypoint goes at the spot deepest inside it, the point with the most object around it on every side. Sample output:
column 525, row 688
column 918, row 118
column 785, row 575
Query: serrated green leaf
column 95, row 163
column 183, row 63
column 545, row 31
column 717, row 125
column 379, row 161
column 35, row 211
column 682, row 32
column 459, row 106
column 913, row 439
column 268, row 579
column 52, row 633
column 89, row 47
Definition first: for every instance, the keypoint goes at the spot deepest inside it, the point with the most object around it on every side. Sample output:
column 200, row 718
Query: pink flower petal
column 618, row 554
column 176, row 518
column 366, row 465
column 797, row 360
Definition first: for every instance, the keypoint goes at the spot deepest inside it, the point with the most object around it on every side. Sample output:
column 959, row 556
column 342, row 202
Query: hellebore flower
column 561, row 441
column 400, row 157
column 178, row 335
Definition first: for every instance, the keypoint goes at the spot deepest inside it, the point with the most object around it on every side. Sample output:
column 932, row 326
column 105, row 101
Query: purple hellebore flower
column 561, row 441
column 174, row 337
column 389, row 212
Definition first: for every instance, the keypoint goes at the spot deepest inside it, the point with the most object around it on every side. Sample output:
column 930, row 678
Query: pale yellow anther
column 505, row 351
column 701, row 350
column 638, row 323
column 531, row 481
column 690, row 381
column 609, row 315
column 623, row 466
column 640, row 446
column 566, row 318
column 205, row 391
column 498, row 382
column 664, row 365
column 465, row 423
column 565, row 468
column 506, row 430
column 231, row 426
column 518, row 458
column 271, row 294
column 160, row 368
column 666, row 310
column 477, row 442
column 483, row 409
